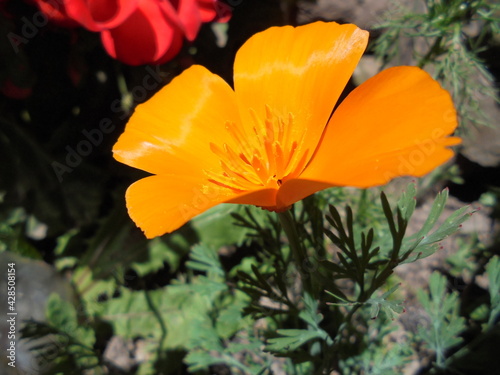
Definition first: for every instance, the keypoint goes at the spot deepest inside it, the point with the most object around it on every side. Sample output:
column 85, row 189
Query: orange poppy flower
column 273, row 140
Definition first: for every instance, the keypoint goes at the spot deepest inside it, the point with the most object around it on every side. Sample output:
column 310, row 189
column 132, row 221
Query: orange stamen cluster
column 267, row 157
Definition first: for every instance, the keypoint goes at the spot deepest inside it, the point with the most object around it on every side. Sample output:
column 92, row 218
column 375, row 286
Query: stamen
column 272, row 153
column 280, row 159
column 259, row 168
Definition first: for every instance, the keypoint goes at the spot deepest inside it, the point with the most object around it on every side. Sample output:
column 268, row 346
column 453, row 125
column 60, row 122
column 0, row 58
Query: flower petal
column 214, row 10
column 190, row 18
column 98, row 15
column 394, row 124
column 56, row 12
column 162, row 204
column 172, row 131
column 300, row 70
column 260, row 198
column 144, row 37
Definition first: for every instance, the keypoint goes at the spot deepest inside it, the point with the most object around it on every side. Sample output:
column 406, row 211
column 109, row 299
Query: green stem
column 289, row 227
column 434, row 51
column 159, row 317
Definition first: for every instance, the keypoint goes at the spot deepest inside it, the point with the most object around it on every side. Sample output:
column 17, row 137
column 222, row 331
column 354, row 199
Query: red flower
column 152, row 34
column 14, row 91
column 99, row 15
column 214, row 10
column 55, row 12
column 142, row 31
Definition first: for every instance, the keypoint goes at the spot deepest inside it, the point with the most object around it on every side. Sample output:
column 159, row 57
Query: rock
column 119, row 353
column 35, row 281
column 363, row 13
column 482, row 143
column 367, row 67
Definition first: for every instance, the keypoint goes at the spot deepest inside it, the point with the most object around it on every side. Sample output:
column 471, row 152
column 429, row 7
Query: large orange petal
column 172, row 131
column 261, row 198
column 300, row 70
column 394, row 124
column 161, row 204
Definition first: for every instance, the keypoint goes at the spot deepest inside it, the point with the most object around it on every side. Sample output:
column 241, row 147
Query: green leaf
column 12, row 234
column 480, row 313
column 193, row 317
column 238, row 357
column 450, row 226
column 379, row 356
column 70, row 339
column 445, row 322
column 493, row 270
column 462, row 262
column 212, row 225
column 291, row 339
column 112, row 249
column 205, row 259
column 309, row 314
column 62, row 315
column 423, row 244
column 391, row 308
column 158, row 253
column 172, row 315
column 408, row 201
column 230, row 318
column 199, row 360
column 92, row 290
column 436, row 211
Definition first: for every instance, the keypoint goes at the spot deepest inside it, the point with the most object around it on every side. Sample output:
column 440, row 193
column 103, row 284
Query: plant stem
column 435, row 51
column 300, row 256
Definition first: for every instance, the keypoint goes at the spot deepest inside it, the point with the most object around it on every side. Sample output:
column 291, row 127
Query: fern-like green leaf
column 423, row 243
column 391, row 308
column 291, row 339
column 493, row 270
column 445, row 322
column 205, row 259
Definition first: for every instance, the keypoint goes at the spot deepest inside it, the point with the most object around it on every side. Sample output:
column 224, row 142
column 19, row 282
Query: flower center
column 272, row 153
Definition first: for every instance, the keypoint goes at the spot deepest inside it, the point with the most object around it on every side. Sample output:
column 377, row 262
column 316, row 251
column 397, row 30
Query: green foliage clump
column 329, row 304
column 448, row 38
column 445, row 322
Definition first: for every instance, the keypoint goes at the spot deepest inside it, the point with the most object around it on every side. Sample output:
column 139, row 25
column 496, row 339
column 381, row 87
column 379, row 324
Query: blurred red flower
column 14, row 91
column 138, row 31
column 55, row 11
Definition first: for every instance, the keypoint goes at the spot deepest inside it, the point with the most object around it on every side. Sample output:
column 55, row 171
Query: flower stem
column 300, row 256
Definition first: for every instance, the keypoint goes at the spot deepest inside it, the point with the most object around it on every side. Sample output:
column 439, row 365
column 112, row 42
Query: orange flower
column 273, row 140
